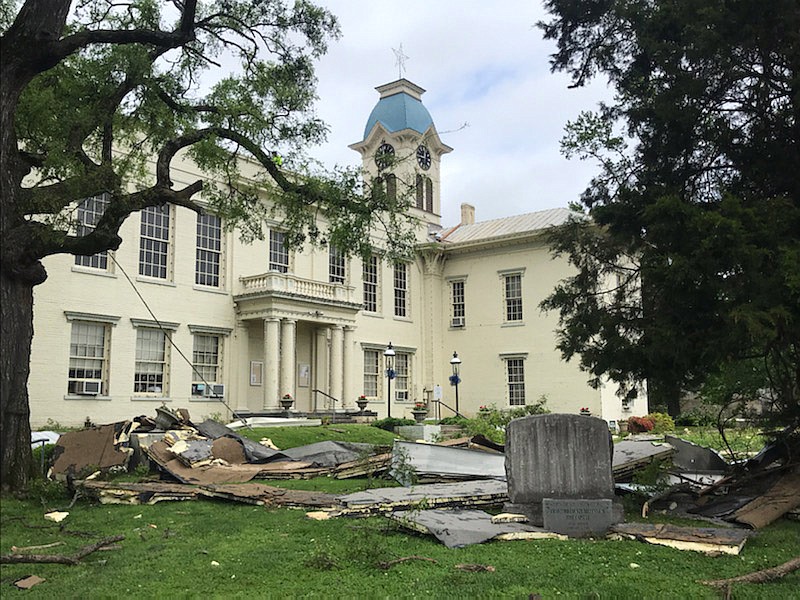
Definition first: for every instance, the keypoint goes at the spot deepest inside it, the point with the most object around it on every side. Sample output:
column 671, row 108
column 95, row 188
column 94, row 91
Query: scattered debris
column 431, row 462
column 390, row 563
column 56, row 516
column 758, row 576
column 692, row 458
column 713, row 541
column 459, row 528
column 16, row 549
column 465, row 494
column 102, row 447
column 28, row 582
column 475, row 568
column 59, row 558
column 779, row 499
column 509, row 518
column 630, row 456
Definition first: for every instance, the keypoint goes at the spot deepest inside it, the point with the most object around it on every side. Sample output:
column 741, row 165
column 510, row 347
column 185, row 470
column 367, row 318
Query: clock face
column 384, row 155
column 423, row 158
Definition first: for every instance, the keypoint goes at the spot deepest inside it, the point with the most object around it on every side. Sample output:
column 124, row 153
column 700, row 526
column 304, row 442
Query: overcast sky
column 483, row 63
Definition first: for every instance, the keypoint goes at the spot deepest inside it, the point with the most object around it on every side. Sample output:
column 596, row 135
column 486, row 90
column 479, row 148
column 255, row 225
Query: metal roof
column 506, row 226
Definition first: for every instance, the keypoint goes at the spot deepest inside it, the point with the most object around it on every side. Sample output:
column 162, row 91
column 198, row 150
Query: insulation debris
column 708, row 540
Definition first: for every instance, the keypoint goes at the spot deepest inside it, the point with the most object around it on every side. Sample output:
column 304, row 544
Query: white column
column 272, row 343
column 349, row 394
column 288, row 333
column 337, row 366
column 237, row 366
column 321, row 367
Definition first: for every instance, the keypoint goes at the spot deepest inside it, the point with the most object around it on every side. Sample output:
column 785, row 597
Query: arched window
column 428, row 194
column 420, row 191
column 391, row 186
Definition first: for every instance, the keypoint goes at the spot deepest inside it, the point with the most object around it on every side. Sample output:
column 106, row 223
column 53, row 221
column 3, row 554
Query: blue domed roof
column 398, row 112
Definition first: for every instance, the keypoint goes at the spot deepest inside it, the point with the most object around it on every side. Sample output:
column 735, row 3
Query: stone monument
column 558, row 468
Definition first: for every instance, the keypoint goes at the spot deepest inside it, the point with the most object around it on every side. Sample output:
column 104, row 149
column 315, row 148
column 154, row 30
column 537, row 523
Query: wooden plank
column 708, row 540
column 782, row 497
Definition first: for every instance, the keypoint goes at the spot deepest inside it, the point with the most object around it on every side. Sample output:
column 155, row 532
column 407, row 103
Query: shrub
column 390, row 423
column 453, row 421
column 639, row 425
column 697, row 417
column 662, row 422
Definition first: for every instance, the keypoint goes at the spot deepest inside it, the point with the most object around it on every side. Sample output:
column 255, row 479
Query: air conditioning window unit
column 457, row 322
column 88, row 387
column 215, row 390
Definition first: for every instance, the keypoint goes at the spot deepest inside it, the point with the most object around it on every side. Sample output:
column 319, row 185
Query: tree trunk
column 16, row 324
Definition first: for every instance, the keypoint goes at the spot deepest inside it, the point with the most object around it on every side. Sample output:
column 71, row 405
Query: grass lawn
column 169, row 549
column 291, row 437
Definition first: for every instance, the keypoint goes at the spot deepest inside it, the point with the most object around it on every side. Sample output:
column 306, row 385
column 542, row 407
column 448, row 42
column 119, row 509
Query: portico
column 300, row 335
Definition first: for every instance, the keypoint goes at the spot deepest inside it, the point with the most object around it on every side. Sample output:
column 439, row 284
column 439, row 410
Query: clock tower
column 402, row 147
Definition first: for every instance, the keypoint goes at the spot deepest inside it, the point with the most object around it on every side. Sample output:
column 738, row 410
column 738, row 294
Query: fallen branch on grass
column 29, row 548
column 60, row 558
column 389, row 564
column 758, row 576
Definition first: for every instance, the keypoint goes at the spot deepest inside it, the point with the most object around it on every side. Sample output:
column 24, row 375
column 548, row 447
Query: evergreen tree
column 689, row 260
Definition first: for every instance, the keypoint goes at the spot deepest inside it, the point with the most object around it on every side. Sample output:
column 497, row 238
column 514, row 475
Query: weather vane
column 400, row 60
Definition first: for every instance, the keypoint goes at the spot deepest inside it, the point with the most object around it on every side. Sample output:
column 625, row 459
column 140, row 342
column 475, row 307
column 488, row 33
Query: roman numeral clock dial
column 423, row 158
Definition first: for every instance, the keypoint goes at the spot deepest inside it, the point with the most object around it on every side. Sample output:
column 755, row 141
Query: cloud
column 483, row 63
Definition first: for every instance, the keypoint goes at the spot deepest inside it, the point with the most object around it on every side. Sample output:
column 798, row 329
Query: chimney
column 467, row 214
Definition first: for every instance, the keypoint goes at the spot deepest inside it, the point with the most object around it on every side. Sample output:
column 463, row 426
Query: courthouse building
column 237, row 326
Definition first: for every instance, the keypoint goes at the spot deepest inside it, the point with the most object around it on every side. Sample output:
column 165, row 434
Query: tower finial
column 400, row 60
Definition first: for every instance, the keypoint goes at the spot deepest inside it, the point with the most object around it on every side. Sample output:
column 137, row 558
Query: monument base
column 575, row 517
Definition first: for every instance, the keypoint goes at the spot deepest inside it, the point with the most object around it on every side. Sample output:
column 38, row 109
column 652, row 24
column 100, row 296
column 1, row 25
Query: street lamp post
column 388, row 356
column 455, row 363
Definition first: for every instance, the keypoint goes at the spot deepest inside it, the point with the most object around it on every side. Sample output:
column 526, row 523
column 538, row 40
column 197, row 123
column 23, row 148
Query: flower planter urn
column 286, row 403
column 419, row 415
column 362, row 404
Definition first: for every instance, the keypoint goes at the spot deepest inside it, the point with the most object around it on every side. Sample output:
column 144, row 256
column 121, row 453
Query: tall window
column 205, row 362
column 336, row 265
column 88, row 359
column 278, row 252
column 150, row 375
column 371, row 373
column 154, row 242
column 400, row 289
column 391, row 186
column 209, row 250
column 515, row 372
column 402, row 381
column 370, row 277
column 513, row 296
column 424, row 189
column 428, row 194
column 89, row 212
column 457, row 296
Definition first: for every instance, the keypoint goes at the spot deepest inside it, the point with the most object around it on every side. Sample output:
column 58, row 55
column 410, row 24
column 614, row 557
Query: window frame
column 337, row 265
column 156, row 232
column 458, row 303
column 279, row 255
column 371, row 277
column 201, row 369
column 372, row 373
column 401, row 286
column 87, row 214
column 515, row 380
column 513, row 306
column 166, row 329
column 209, row 247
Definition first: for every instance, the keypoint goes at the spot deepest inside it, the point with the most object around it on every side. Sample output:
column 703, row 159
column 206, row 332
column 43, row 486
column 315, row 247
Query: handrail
column 440, row 403
column 333, row 408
